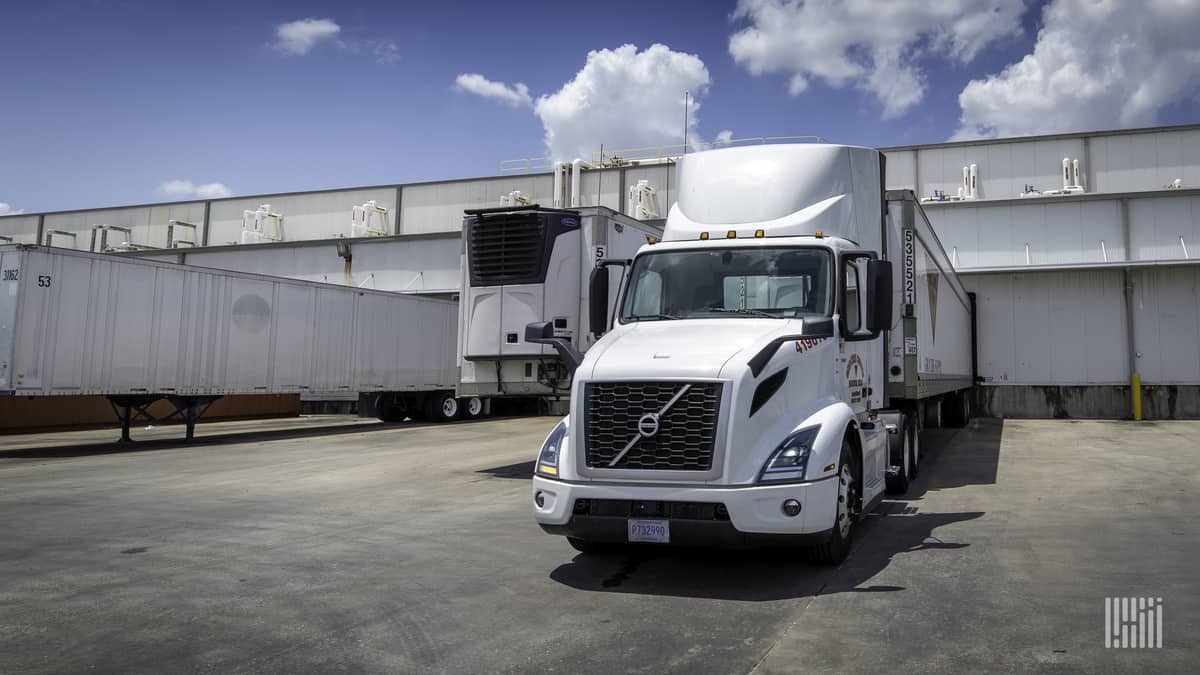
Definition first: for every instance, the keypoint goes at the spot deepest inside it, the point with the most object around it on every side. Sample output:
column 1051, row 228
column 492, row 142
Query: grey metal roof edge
column 1043, row 137
column 1077, row 267
column 1058, row 199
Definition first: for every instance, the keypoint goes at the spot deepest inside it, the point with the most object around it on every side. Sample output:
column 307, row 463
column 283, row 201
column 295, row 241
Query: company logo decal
column 856, row 377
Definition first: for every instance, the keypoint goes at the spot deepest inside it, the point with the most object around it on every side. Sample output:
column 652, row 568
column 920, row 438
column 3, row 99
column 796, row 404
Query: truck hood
column 689, row 348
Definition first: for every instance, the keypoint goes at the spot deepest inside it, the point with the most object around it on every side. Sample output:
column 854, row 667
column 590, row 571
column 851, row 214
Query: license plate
column 653, row 531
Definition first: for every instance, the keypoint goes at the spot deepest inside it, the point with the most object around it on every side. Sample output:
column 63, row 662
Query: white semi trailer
column 530, row 264
column 770, row 362
column 136, row 331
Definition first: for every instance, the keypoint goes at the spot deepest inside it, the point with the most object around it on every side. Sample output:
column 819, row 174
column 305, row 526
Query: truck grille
column 686, row 432
column 506, row 249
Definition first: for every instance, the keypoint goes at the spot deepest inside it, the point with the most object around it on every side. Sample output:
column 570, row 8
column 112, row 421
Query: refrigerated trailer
column 769, row 362
column 527, row 264
column 137, row 331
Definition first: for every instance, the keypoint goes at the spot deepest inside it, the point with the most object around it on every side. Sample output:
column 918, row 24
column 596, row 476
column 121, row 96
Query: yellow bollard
column 1137, row 397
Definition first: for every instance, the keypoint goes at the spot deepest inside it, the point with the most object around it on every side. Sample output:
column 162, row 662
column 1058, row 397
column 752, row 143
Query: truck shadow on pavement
column 953, row 458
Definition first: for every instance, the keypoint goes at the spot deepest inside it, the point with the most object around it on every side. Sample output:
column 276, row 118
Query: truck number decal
column 910, row 276
column 11, row 275
column 601, row 253
column 44, row 280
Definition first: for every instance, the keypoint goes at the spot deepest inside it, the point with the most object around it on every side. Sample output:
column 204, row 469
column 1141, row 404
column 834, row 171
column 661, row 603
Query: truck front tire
column 834, row 551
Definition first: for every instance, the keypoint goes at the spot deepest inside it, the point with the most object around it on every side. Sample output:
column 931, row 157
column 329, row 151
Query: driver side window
column 854, row 306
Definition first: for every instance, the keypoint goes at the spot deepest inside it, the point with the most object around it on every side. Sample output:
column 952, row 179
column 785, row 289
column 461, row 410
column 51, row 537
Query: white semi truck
column 769, row 363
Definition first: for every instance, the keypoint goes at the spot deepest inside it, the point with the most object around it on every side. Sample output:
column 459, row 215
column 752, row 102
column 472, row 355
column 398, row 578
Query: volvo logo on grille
column 648, row 425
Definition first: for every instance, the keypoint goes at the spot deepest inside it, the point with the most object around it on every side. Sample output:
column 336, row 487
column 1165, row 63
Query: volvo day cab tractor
column 768, row 363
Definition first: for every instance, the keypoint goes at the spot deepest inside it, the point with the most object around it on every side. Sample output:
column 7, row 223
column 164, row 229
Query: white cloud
column 1096, row 65
column 7, row 210
column 299, row 37
column 186, row 189
column 871, row 45
column 724, row 136
column 473, row 83
column 623, row 98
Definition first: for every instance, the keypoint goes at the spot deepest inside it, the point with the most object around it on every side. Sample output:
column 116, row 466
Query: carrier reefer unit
column 135, row 330
column 530, row 264
column 768, row 365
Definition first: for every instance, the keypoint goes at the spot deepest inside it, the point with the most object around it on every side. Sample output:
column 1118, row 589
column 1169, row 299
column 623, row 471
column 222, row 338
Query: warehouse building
column 1077, row 246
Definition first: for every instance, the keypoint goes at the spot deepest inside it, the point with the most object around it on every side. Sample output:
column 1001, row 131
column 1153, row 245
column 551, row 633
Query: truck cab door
column 861, row 341
column 863, row 294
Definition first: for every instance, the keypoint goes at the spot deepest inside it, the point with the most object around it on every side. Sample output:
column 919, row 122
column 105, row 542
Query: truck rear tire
column 898, row 484
column 442, row 406
column 834, row 551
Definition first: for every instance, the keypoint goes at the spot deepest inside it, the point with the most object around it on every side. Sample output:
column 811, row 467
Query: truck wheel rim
column 474, row 406
column 449, row 407
column 845, row 494
column 905, row 459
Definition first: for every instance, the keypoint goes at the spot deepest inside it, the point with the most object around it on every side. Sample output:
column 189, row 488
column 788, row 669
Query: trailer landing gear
column 130, row 409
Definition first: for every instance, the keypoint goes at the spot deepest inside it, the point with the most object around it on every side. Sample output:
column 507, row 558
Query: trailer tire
column 898, row 484
column 472, row 407
column 441, row 406
column 933, row 412
column 960, row 408
column 834, row 551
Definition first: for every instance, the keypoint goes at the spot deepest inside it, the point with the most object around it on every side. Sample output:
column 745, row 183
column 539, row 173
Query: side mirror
column 539, row 332
column 879, row 281
column 598, row 301
column 542, row 332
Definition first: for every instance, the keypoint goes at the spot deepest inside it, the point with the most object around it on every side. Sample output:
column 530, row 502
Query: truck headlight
column 547, row 462
column 790, row 459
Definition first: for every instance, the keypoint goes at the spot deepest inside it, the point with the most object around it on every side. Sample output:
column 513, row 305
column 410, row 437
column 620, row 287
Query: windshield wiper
column 739, row 310
column 639, row 317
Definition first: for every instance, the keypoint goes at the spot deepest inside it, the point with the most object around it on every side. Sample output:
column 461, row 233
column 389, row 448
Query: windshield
column 733, row 282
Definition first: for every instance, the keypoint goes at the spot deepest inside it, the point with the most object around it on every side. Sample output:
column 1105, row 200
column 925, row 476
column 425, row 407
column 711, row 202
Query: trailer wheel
column 472, row 407
column 960, row 408
column 442, row 406
column 933, row 412
column 898, row 484
column 835, row 550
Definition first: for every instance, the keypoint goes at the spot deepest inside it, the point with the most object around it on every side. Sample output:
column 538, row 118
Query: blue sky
column 104, row 102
